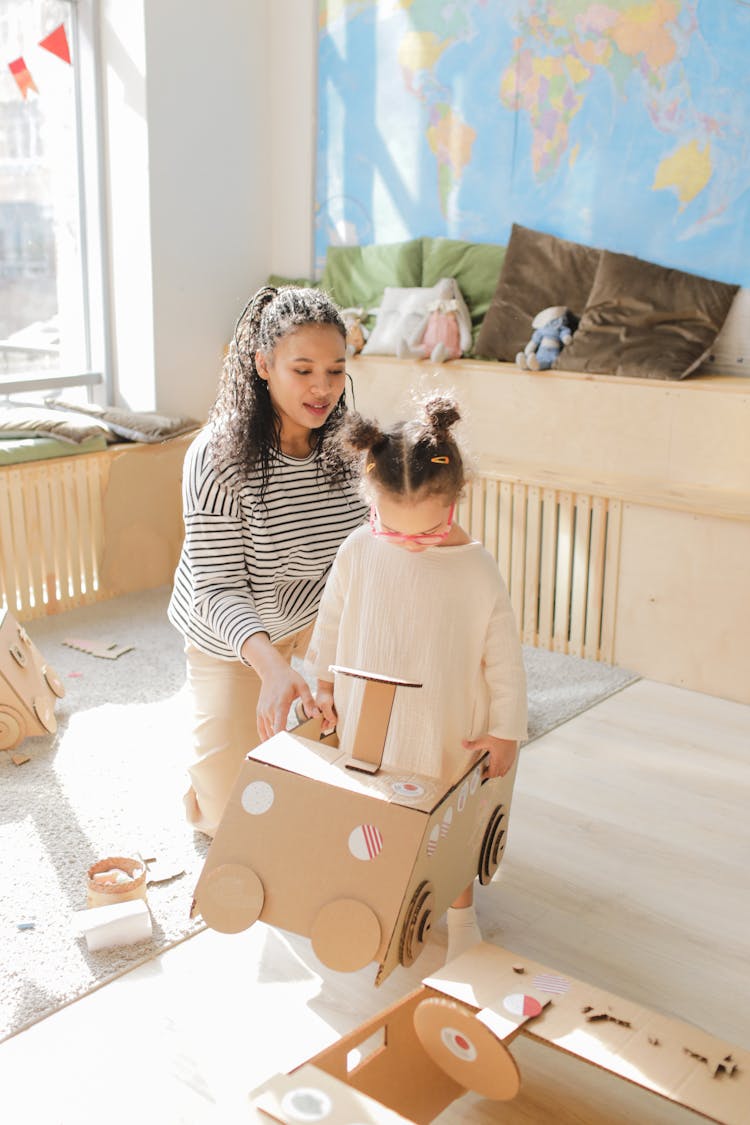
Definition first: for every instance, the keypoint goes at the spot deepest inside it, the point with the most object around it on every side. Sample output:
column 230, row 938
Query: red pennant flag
column 57, row 43
column 22, row 75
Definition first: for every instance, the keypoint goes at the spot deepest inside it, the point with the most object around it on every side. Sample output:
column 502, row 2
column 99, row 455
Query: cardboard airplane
column 358, row 857
column 451, row 1036
column 29, row 688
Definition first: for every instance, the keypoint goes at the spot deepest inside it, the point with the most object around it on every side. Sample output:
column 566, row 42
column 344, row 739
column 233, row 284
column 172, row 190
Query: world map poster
column 624, row 124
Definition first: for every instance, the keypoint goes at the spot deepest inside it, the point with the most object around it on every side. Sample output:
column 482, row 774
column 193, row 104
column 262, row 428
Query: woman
column 267, row 500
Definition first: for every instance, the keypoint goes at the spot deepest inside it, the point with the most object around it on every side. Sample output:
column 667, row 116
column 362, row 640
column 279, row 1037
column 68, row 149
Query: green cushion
column 278, row 281
column 355, row 276
column 475, row 265
column 13, row 451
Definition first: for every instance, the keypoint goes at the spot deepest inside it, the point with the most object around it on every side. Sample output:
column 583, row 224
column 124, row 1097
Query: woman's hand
column 324, row 701
column 502, row 753
column 280, row 686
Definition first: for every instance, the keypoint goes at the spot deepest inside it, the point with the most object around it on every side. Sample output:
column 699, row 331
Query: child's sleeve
column 505, row 672
column 321, row 652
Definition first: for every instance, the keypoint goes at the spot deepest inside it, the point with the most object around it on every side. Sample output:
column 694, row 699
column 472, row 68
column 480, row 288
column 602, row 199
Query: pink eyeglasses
column 423, row 540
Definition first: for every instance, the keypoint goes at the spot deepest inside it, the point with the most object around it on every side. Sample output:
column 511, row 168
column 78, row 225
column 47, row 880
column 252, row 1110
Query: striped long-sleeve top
column 250, row 565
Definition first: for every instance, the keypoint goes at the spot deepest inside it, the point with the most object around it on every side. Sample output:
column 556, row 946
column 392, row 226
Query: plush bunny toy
column 553, row 329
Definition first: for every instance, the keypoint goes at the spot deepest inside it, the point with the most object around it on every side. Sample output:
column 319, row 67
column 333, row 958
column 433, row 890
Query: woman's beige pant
column 224, row 697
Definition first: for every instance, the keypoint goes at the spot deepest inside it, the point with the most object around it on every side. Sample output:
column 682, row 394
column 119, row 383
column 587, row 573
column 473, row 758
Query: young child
column 410, row 595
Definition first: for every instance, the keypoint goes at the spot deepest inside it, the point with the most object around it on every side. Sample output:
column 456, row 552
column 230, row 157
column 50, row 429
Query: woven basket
column 104, row 894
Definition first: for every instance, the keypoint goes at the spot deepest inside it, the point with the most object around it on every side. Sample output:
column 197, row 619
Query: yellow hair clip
column 440, row 460
column 369, row 466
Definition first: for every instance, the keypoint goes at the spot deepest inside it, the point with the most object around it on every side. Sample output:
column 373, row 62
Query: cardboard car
column 29, row 688
column 358, row 857
column 451, row 1035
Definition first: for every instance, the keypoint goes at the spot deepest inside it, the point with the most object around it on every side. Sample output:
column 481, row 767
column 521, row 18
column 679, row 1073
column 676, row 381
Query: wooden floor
column 628, row 865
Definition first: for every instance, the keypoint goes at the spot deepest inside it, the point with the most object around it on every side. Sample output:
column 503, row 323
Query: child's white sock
column 463, row 930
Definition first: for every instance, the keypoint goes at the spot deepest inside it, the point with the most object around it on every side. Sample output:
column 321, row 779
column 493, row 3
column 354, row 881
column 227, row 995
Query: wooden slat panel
column 563, row 571
column 96, row 477
column 533, row 543
column 491, row 514
column 33, row 533
column 47, row 540
column 8, row 580
column 548, row 565
column 518, row 552
column 505, row 530
column 62, row 553
column 19, row 541
column 476, row 526
column 611, row 578
column 591, row 648
column 580, row 574
column 84, row 528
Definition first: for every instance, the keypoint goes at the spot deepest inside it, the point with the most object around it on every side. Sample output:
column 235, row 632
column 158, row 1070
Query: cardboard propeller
column 29, row 688
column 358, row 857
column 453, row 1033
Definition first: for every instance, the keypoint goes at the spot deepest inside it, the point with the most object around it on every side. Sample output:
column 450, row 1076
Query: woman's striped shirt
column 250, row 566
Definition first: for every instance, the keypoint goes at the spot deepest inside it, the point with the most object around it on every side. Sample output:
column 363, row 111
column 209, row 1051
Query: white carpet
column 110, row 783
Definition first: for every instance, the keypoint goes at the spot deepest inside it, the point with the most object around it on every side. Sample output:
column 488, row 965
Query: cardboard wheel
column 12, row 728
column 492, row 846
column 417, row 923
column 466, row 1050
column 45, row 713
column 53, row 681
column 230, row 898
column 345, row 935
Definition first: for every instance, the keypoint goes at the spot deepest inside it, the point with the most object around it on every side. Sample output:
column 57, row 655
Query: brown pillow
column 538, row 270
column 132, row 425
column 645, row 320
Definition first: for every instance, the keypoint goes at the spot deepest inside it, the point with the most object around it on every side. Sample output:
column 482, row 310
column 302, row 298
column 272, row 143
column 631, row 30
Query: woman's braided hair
column 246, row 430
column 415, row 459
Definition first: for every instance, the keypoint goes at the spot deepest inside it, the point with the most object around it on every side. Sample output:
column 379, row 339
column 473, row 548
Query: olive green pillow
column 539, row 270
column 475, row 266
column 646, row 320
column 278, row 281
column 355, row 276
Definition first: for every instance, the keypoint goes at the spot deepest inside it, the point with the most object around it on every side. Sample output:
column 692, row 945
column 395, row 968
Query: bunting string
column 57, row 43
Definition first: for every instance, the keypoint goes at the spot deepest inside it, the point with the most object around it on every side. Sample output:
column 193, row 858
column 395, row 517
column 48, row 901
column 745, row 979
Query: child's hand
column 502, row 753
column 324, row 701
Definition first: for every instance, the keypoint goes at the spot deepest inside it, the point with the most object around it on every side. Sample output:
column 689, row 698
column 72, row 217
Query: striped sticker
column 447, row 821
column 463, row 796
column 521, row 1005
column 432, row 843
column 408, row 789
column 257, row 797
column 365, row 842
column 458, row 1044
column 548, row 982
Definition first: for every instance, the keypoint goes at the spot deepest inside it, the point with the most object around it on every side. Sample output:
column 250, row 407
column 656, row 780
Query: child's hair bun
column 361, row 433
column 441, row 412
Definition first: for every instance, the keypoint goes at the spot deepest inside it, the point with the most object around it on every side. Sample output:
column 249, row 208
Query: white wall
column 209, row 114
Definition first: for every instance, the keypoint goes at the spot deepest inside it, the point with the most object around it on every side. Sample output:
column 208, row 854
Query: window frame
column 89, row 133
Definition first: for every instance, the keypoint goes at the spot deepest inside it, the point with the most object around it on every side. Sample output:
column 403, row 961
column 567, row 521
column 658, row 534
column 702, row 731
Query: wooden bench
column 79, row 529
column 618, row 509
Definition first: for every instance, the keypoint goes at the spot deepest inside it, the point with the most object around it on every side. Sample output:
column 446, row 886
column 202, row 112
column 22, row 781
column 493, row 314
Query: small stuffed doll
column 444, row 330
column 356, row 333
column 553, row 329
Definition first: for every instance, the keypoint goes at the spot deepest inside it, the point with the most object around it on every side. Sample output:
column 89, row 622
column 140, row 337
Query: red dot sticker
column 458, row 1044
column 519, row 1004
column 408, row 789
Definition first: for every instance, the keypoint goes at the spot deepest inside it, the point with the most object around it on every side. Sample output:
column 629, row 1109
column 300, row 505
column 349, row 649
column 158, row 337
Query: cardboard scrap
column 19, row 759
column 107, row 651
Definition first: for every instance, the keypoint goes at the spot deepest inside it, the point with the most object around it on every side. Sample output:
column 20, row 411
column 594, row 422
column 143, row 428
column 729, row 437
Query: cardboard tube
column 122, row 923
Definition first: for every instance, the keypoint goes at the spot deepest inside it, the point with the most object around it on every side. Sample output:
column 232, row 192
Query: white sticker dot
column 476, row 777
column 365, row 841
column 257, row 797
column 408, row 789
column 306, row 1104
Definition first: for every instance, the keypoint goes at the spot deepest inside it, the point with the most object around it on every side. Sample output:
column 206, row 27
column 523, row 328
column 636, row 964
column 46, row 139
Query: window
column 51, row 304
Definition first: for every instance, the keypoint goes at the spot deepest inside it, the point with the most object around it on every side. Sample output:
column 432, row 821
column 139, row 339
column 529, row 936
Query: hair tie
column 440, row 460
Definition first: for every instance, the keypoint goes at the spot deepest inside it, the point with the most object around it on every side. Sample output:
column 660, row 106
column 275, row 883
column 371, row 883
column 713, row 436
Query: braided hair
column 416, row 459
column 246, row 429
